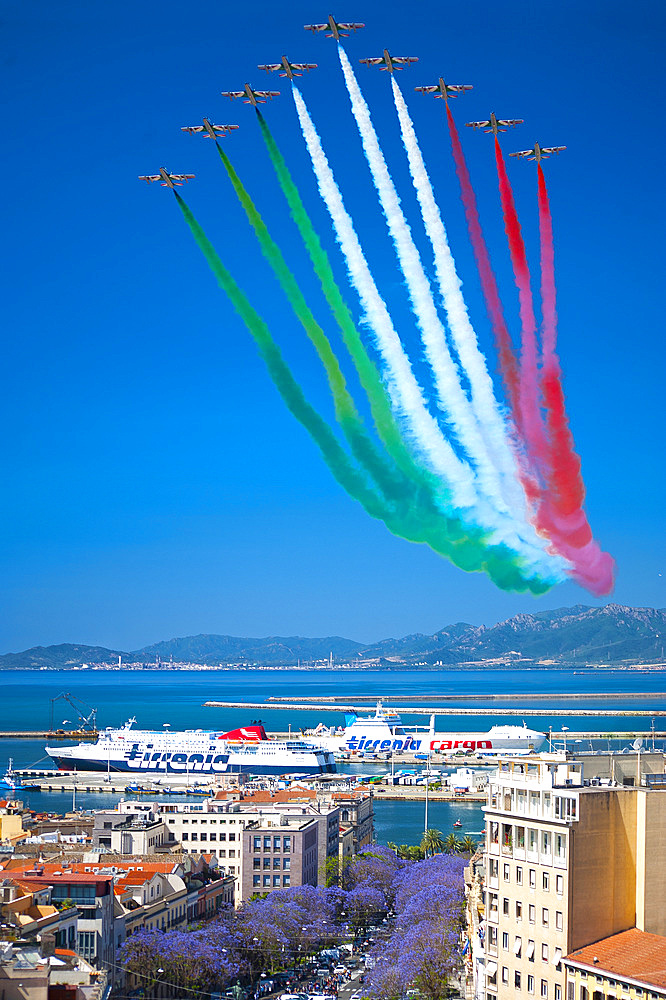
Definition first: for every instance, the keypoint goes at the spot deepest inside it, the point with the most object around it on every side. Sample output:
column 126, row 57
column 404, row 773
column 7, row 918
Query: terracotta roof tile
column 633, row 954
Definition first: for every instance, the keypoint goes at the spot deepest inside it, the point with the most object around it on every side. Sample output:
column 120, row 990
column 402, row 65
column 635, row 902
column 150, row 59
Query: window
column 544, row 952
column 267, row 881
column 185, row 835
column 546, row 881
column 530, row 950
column 256, row 841
column 286, row 864
column 532, row 878
column 544, row 916
column 559, row 921
column 505, row 975
column 232, row 836
column 544, row 988
column 204, row 836
column 507, row 872
column 494, row 832
column 194, row 834
column 256, row 863
column 277, row 843
column 492, row 899
column 505, row 941
column 520, row 838
column 558, row 993
column 518, row 946
column 530, row 984
column 492, row 936
column 519, row 910
column 519, row 875
column 267, row 862
column 559, row 884
column 493, row 869
column 232, row 853
column 213, row 835
column 532, row 914
column 286, row 845
column 276, row 880
column 267, row 843
column 505, row 907
column 516, row 980
column 256, row 880
column 545, row 842
column 286, row 880
column 276, row 863
column 532, row 841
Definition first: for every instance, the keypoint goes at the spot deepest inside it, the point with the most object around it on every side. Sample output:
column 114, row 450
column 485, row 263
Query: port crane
column 86, row 723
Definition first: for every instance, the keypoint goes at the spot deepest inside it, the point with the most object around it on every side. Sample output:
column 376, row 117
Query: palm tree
column 432, row 842
column 468, row 845
column 451, row 844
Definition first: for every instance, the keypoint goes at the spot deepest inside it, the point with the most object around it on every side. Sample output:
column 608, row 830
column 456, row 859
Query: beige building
column 627, row 966
column 568, row 862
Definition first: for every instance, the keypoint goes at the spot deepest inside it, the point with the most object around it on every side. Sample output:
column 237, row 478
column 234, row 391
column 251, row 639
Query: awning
column 530, row 949
column 517, row 946
column 491, row 969
column 557, row 957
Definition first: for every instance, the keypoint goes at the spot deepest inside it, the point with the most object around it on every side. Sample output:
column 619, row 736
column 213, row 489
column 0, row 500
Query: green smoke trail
column 364, row 450
column 292, row 394
column 466, row 548
column 369, row 377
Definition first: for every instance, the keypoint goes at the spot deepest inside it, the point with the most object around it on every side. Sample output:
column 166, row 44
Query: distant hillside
column 580, row 635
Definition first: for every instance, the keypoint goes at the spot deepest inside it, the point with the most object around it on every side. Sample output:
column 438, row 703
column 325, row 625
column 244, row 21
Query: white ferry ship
column 194, row 752
column 384, row 732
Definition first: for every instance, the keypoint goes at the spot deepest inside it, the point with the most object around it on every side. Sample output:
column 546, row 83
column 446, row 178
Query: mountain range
column 613, row 634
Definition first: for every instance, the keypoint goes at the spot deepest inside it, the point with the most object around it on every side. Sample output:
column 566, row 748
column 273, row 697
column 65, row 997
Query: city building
column 570, row 860
column 279, row 850
column 629, row 965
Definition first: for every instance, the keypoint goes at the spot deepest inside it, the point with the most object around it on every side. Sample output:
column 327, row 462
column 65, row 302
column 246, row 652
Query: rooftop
column 632, row 954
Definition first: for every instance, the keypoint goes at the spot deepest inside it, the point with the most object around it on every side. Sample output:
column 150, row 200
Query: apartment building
column 626, row 966
column 280, row 850
column 568, row 862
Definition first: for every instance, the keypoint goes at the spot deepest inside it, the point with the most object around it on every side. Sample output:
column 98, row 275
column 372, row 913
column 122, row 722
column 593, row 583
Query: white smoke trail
column 452, row 399
column 490, row 420
column 406, row 394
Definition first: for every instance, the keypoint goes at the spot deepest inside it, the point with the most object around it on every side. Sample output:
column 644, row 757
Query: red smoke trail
column 531, row 422
column 562, row 513
column 507, row 357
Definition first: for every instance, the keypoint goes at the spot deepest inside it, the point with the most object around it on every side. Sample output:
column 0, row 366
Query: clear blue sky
column 154, row 483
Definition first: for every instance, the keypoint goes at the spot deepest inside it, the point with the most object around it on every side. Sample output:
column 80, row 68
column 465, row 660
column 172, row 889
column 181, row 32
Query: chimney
column 47, row 944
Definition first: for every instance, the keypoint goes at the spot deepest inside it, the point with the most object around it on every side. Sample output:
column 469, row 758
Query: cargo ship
column 194, row 752
column 384, row 732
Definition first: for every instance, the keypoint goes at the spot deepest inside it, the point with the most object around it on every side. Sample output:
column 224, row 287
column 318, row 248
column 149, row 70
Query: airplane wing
column 233, row 94
column 192, row 129
column 270, row 67
column 317, row 27
column 523, row 152
column 267, row 93
column 350, row 25
column 149, row 178
column 508, row 122
column 459, row 88
column 427, row 90
column 304, row 66
column 485, row 124
column 375, row 61
column 552, row 149
column 404, row 60
column 181, row 177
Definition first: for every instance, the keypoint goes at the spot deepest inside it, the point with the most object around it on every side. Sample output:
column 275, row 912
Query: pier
column 303, row 706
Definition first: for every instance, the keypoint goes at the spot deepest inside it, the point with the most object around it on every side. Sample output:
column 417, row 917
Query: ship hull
column 197, row 769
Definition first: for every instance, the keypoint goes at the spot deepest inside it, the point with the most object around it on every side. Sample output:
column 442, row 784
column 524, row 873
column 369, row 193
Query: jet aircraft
column 335, row 29
column 390, row 63
column 208, row 129
column 538, row 153
column 286, row 68
column 495, row 125
column 166, row 179
column 445, row 90
column 252, row 96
